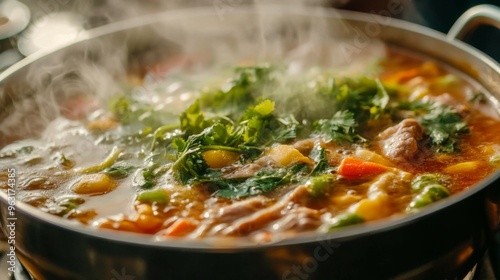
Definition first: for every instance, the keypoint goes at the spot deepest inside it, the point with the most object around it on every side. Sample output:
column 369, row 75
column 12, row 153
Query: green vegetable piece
column 320, row 185
column 107, row 162
column 341, row 127
column 263, row 182
column 421, row 181
column 318, row 154
column 255, row 120
column 153, row 196
column 118, row 171
column 65, row 206
column 430, row 194
column 345, row 219
column 444, row 127
column 64, row 161
column 192, row 119
column 366, row 98
column 238, row 93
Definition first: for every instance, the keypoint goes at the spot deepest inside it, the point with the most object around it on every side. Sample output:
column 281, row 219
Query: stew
column 260, row 151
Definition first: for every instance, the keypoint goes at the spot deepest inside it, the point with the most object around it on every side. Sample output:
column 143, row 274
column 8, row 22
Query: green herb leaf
column 263, row 182
column 118, row 171
column 444, row 127
column 192, row 120
column 341, row 127
column 236, row 95
column 318, row 154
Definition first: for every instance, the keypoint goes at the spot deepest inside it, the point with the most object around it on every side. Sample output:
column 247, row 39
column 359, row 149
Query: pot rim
column 207, row 244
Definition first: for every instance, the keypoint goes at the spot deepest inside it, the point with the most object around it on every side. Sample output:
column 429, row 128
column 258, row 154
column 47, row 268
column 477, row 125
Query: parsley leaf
column 364, row 97
column 118, row 171
column 444, row 127
column 341, row 127
column 239, row 92
column 263, row 182
column 192, row 119
column 318, row 154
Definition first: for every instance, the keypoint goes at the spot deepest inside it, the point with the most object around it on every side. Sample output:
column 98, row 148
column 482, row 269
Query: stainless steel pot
column 443, row 241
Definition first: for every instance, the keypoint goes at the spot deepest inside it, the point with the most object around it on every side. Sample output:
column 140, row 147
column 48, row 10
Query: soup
column 260, row 151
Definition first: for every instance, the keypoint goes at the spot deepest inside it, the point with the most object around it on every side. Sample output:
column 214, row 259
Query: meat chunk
column 400, row 142
column 245, row 171
column 241, row 208
column 300, row 218
column 262, row 217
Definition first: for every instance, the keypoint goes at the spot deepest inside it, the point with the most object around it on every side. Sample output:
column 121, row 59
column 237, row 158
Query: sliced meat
column 262, row 217
column 241, row 208
column 245, row 171
column 300, row 218
column 400, row 142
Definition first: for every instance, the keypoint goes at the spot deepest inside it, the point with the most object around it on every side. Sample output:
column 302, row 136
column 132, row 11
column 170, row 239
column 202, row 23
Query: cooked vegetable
column 261, row 151
column 94, row 184
column 443, row 124
column 107, row 162
column 424, row 180
column 354, row 168
column 284, row 155
column 341, row 127
column 345, row 219
column 219, row 158
column 429, row 194
column 181, row 227
column 468, row 167
column 320, row 185
column 118, row 171
column 153, row 196
column 262, row 182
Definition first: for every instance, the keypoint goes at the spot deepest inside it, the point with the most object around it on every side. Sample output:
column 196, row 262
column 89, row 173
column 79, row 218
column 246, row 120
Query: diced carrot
column 181, row 227
column 355, row 168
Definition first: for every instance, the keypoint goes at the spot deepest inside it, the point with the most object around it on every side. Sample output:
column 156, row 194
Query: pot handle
column 473, row 18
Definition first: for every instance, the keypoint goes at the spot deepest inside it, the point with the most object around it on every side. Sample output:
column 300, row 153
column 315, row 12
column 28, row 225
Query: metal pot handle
column 473, row 18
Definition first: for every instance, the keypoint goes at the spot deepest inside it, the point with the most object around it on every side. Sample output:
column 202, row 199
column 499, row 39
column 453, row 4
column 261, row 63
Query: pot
column 443, row 241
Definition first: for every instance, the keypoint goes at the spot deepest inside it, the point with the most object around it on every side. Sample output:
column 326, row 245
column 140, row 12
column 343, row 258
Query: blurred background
column 30, row 25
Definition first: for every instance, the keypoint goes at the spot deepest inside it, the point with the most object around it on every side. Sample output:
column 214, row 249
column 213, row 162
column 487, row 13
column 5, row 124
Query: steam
column 300, row 36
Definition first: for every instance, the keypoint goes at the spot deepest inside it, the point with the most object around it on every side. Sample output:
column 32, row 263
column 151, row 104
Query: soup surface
column 260, row 151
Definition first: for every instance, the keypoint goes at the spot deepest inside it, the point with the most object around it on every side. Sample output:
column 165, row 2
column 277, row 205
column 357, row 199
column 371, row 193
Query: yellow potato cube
column 94, row 184
column 219, row 158
column 374, row 208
